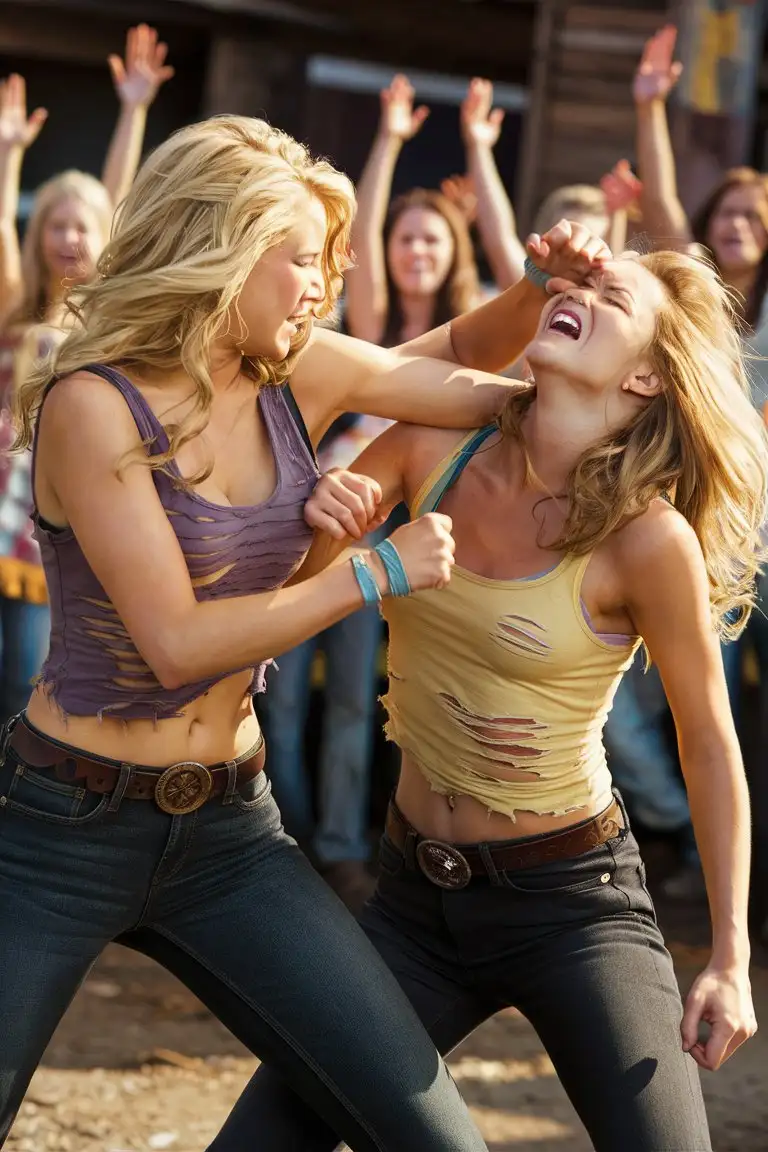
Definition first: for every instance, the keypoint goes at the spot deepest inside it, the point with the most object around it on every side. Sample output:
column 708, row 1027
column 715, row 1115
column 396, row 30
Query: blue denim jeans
column 574, row 945
column 346, row 745
column 24, row 634
column 224, row 899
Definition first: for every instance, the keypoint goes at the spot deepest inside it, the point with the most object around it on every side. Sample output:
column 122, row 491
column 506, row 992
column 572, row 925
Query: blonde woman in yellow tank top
column 618, row 502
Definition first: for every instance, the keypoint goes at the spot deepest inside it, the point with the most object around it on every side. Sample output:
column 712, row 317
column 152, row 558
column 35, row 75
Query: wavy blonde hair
column 205, row 206
column 33, row 306
column 700, row 443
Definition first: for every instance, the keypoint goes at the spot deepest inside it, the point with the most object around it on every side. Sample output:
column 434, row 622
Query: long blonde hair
column 700, row 443
column 33, row 306
column 205, row 206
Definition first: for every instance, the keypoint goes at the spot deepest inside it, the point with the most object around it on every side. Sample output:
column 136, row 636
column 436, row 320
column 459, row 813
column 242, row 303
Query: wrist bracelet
column 393, row 565
column 535, row 274
column 366, row 580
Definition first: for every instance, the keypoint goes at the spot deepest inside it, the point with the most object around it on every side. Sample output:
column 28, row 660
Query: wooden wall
column 581, row 115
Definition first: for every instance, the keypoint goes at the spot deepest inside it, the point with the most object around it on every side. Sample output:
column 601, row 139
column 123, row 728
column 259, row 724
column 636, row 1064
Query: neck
column 741, row 281
column 225, row 371
column 562, row 423
column 417, row 312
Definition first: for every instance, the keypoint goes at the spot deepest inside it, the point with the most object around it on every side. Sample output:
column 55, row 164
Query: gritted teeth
column 569, row 323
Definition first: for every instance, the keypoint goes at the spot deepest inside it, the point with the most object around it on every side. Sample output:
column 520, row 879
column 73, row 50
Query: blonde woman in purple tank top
column 170, row 474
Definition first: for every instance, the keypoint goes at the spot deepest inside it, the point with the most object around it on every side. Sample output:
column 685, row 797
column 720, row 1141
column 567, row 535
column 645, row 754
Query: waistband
column 452, row 866
column 177, row 789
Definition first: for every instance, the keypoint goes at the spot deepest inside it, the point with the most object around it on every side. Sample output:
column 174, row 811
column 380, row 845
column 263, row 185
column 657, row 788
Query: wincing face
column 283, row 288
column 599, row 335
column 737, row 235
column 71, row 240
column 420, row 252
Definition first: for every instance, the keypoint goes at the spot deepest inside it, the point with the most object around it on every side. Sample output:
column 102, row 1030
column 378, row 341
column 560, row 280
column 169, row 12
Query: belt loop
column 409, row 850
column 231, row 788
column 126, row 771
column 487, row 858
column 8, row 728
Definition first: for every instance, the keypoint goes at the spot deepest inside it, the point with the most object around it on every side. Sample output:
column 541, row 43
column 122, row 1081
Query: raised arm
column 113, row 509
column 663, row 214
column 17, row 132
column 494, row 335
column 137, row 80
column 480, row 129
column 667, row 588
column 622, row 191
column 367, row 300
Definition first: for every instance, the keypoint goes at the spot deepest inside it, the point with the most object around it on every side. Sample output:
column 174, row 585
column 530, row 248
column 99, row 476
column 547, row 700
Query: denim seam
column 189, row 831
column 157, row 878
column 321, row 1075
column 687, row 1060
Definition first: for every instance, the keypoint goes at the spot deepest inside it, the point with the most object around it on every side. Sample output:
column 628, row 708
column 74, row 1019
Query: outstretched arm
column 667, row 589
column 480, row 128
column 367, row 300
column 17, row 132
column 656, row 76
column 622, row 191
column 137, row 81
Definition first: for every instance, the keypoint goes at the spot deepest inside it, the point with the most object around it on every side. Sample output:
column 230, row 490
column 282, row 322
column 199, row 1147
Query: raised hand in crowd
column 461, row 192
column 657, row 73
column 137, row 79
column 18, row 131
column 399, row 119
column 622, row 191
column 480, row 128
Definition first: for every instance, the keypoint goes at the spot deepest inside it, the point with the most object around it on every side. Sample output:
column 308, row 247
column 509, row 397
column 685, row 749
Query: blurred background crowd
column 649, row 124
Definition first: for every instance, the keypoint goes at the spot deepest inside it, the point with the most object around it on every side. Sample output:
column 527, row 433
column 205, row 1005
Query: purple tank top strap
column 147, row 422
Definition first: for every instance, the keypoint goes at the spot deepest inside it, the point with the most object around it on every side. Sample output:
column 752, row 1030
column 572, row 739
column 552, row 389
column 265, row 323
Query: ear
column 644, row 383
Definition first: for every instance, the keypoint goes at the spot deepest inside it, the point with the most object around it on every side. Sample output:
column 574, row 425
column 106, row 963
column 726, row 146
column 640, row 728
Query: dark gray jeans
column 226, row 901
column 575, row 946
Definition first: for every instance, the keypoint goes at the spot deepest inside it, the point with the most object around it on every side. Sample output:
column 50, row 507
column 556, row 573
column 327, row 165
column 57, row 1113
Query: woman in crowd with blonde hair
column 616, row 502
column 171, row 464
column 68, row 227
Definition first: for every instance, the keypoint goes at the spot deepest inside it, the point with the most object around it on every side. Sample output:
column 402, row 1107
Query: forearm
column 10, row 259
column 366, row 282
column 719, row 802
column 663, row 213
column 495, row 218
column 219, row 636
column 490, row 337
column 124, row 154
column 617, row 232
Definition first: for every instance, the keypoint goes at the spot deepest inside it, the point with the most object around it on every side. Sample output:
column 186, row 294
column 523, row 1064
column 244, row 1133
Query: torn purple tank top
column 93, row 668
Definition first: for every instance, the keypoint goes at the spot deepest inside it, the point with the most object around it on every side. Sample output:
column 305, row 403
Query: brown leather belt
column 179, row 789
column 452, row 866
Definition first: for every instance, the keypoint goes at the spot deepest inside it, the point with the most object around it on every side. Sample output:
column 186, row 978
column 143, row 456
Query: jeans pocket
column 252, row 794
column 593, row 870
column 40, row 796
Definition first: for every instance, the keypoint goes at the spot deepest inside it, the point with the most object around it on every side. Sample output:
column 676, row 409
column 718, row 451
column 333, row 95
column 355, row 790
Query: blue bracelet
column 535, row 274
column 393, row 565
column 366, row 580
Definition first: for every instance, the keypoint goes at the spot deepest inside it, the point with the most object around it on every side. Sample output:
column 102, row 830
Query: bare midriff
column 462, row 819
column 215, row 727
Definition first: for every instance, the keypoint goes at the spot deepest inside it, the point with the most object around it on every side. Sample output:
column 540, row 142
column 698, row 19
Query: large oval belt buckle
column 183, row 788
column 443, row 864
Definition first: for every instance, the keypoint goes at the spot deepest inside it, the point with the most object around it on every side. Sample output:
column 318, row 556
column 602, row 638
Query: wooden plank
column 571, row 117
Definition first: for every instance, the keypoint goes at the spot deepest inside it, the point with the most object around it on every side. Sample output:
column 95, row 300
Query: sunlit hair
column 460, row 290
column 205, row 206
column 702, row 221
column 34, row 302
column 699, row 442
column 570, row 202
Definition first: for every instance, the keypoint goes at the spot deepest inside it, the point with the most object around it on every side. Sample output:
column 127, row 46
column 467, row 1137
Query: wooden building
column 562, row 70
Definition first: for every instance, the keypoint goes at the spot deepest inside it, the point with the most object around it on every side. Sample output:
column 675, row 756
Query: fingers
column 420, row 116
column 344, row 504
column 117, row 68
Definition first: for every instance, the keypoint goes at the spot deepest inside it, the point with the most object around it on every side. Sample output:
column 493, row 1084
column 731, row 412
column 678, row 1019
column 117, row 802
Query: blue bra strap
column 432, row 500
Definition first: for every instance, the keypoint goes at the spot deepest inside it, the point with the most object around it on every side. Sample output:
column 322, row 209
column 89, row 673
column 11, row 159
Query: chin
column 544, row 352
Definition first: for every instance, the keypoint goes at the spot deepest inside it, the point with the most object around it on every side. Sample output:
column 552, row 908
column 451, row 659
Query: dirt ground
column 138, row 1065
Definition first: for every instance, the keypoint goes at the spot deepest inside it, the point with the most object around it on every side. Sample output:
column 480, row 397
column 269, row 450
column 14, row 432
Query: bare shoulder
column 659, row 545
column 422, row 449
column 83, row 408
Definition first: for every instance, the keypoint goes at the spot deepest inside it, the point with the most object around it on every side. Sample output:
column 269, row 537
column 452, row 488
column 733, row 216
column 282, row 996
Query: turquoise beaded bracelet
column 535, row 274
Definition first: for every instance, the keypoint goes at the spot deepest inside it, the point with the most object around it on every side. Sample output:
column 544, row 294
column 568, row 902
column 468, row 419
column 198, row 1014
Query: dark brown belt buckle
column 183, row 788
column 443, row 864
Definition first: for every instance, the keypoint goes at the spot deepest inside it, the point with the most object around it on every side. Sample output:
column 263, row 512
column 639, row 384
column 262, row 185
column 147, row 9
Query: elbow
column 170, row 660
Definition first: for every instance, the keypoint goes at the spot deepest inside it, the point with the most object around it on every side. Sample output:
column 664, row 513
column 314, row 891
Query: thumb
column 420, row 115
column 689, row 1026
column 497, row 117
column 117, row 69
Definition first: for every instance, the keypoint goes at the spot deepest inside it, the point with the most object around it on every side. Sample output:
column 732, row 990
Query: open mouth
column 566, row 322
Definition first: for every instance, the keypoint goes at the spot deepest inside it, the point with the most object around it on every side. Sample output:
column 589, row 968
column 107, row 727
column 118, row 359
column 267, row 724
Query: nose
column 315, row 289
column 72, row 237
column 578, row 296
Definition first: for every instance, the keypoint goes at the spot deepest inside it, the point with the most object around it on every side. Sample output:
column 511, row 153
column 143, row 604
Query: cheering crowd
column 149, row 604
